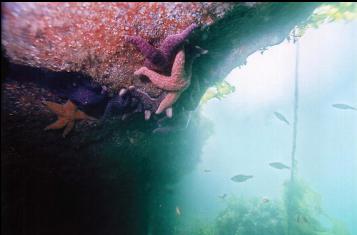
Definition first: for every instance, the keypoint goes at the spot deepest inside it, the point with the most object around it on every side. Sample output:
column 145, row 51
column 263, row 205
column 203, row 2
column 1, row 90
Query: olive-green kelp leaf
column 219, row 91
column 327, row 13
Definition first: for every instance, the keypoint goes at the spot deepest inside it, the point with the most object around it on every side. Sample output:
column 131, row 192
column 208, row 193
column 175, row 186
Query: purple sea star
column 118, row 104
column 84, row 93
column 130, row 101
column 147, row 104
column 84, row 97
column 161, row 59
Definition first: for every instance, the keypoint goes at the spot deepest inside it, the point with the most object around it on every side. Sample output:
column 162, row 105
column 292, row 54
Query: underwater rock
column 178, row 123
column 90, row 37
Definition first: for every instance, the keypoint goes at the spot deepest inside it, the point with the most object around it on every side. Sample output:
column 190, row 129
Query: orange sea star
column 67, row 114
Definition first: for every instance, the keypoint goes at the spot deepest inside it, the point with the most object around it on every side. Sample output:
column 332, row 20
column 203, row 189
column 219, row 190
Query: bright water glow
column 248, row 136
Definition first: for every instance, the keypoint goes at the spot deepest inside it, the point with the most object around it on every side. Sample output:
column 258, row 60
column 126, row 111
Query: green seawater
column 246, row 136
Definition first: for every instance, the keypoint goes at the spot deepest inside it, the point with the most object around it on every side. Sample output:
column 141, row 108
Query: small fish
column 131, row 140
column 207, row 170
column 178, row 211
column 281, row 117
column 241, row 178
column 343, row 106
column 263, row 50
column 279, row 165
column 265, row 200
column 301, row 219
column 222, row 196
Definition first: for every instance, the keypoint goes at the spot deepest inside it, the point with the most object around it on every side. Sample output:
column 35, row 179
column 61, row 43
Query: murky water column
column 174, row 155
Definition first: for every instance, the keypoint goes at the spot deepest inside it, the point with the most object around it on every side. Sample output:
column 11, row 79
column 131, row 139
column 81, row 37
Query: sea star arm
column 108, row 111
column 168, row 101
column 68, row 128
column 79, row 115
column 162, row 81
column 69, row 106
column 172, row 43
column 60, row 123
column 54, row 107
column 175, row 82
column 147, row 102
column 154, row 55
column 178, row 68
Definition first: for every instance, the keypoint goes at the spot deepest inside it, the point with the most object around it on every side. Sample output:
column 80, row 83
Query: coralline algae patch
column 89, row 37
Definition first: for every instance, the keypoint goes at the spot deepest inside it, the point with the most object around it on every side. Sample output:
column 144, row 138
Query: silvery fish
column 301, row 219
column 343, row 106
column 281, row 117
column 241, row 178
column 178, row 211
column 279, row 165
column 265, row 200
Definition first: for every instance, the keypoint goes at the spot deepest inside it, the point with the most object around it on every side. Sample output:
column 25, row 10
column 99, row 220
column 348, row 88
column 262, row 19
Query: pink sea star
column 175, row 84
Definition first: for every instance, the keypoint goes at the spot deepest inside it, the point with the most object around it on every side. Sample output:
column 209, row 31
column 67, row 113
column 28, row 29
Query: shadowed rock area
column 111, row 177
